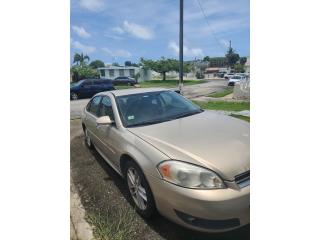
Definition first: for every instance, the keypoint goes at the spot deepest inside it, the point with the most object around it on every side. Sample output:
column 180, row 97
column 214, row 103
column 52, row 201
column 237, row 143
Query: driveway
column 191, row 91
column 101, row 189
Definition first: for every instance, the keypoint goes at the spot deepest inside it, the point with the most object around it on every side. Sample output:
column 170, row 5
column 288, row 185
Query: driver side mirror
column 105, row 120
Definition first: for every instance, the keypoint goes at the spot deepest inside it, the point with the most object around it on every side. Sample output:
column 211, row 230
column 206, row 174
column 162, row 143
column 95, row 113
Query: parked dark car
column 124, row 81
column 86, row 88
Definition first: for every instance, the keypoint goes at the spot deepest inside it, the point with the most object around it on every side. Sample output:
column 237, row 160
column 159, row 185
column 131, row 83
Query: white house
column 247, row 65
column 111, row 72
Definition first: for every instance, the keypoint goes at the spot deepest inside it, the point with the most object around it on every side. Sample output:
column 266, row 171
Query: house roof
column 212, row 70
column 118, row 67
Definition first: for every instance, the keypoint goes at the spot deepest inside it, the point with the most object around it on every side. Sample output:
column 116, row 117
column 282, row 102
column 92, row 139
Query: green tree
column 218, row 62
column 239, row 68
column 232, row 57
column 83, row 72
column 206, row 59
column 115, row 64
column 243, row 60
column 76, row 58
column 96, row 64
column 80, row 58
column 127, row 63
column 162, row 66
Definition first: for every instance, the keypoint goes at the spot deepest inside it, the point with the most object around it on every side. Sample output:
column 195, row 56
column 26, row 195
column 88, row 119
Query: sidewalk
column 79, row 228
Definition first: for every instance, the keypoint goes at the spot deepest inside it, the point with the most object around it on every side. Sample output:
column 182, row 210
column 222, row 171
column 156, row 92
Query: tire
column 142, row 198
column 87, row 139
column 74, row 96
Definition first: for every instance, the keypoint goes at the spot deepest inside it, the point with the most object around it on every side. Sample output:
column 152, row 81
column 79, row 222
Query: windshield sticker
column 130, row 117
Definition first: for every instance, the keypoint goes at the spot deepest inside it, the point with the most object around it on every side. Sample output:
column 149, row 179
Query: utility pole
column 181, row 48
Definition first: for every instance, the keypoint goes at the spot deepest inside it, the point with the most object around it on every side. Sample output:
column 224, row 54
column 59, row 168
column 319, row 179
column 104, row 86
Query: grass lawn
column 161, row 83
column 168, row 83
column 119, row 224
column 245, row 118
column 223, row 93
column 224, row 105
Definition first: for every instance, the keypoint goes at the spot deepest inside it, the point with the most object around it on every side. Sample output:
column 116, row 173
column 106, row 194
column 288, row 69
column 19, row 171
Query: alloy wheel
column 137, row 191
column 74, row 96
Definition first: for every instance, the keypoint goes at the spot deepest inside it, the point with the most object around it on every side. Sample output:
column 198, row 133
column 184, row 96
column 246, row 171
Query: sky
column 117, row 31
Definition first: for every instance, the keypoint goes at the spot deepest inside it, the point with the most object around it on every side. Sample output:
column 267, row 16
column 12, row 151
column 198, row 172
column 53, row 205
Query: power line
column 212, row 31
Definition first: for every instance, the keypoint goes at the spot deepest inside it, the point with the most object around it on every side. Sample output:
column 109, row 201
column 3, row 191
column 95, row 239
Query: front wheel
column 140, row 191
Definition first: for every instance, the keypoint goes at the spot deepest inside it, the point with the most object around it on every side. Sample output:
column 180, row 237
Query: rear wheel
column 139, row 189
column 74, row 96
column 87, row 139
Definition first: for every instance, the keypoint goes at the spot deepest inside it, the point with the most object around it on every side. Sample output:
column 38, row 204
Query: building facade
column 214, row 72
column 112, row 72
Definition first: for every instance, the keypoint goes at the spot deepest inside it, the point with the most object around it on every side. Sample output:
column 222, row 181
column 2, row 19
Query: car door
column 97, row 86
column 116, row 81
column 107, row 85
column 92, row 112
column 86, row 89
column 109, row 135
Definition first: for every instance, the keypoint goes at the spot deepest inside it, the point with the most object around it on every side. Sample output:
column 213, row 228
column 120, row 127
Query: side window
column 87, row 83
column 94, row 105
column 167, row 99
column 106, row 108
column 97, row 82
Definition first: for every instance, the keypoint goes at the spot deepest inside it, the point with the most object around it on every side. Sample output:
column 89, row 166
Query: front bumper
column 202, row 210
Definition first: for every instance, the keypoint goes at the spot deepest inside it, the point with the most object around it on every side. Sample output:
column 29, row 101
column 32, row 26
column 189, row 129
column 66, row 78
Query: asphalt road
column 192, row 91
column 101, row 188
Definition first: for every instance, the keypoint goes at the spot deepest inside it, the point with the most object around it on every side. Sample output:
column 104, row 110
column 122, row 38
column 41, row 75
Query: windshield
column 76, row 83
column 236, row 77
column 153, row 107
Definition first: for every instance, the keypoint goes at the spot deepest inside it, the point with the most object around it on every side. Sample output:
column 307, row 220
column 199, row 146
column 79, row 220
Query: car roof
column 130, row 91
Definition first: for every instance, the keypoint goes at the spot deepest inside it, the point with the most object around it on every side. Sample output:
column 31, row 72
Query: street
column 103, row 192
column 192, row 91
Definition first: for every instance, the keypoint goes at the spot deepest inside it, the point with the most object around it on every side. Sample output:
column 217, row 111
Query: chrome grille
column 243, row 179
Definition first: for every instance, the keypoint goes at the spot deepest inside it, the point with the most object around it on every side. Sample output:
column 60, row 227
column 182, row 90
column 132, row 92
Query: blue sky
column 116, row 31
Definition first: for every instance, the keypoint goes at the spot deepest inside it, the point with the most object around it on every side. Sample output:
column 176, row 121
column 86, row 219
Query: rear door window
column 87, row 83
column 93, row 106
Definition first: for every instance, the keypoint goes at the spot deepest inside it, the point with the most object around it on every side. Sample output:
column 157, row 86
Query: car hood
column 213, row 140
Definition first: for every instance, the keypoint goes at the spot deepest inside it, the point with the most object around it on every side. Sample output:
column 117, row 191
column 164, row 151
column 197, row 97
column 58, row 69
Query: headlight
column 189, row 175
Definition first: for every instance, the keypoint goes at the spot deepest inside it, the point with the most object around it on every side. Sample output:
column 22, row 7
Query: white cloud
column 83, row 48
column 92, row 5
column 118, row 30
column 117, row 53
column 81, row 32
column 134, row 29
column 189, row 52
column 114, row 37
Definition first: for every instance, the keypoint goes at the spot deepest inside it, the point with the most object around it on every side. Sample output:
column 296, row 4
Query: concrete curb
column 79, row 228
column 245, row 113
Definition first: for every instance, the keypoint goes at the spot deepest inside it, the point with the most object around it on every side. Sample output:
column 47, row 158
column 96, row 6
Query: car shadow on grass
column 164, row 228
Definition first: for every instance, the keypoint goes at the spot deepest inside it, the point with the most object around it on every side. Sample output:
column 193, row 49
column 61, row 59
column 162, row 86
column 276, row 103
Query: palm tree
column 76, row 58
column 80, row 58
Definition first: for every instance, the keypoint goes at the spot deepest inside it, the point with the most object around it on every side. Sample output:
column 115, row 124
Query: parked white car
column 228, row 75
column 236, row 78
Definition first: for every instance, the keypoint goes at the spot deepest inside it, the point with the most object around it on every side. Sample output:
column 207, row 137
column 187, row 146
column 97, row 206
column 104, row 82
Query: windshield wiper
column 186, row 114
column 147, row 123
column 165, row 120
